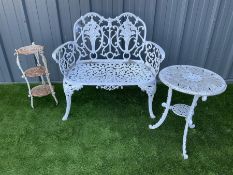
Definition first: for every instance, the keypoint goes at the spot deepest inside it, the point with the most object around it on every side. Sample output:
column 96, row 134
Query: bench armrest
column 153, row 56
column 66, row 55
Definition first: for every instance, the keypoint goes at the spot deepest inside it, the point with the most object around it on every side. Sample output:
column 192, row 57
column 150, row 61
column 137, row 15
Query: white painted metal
column 180, row 109
column 190, row 80
column 109, row 53
column 189, row 124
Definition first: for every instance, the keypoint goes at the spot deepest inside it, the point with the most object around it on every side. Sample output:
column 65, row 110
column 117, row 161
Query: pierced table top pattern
column 192, row 80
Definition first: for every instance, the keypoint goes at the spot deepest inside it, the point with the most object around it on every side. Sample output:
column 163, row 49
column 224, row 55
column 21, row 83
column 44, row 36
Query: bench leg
column 150, row 101
column 68, row 104
column 69, row 90
column 150, row 90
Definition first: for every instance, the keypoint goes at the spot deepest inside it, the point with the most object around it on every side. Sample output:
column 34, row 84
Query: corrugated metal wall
column 196, row 32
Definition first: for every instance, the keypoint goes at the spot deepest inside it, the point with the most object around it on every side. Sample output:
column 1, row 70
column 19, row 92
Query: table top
column 192, row 80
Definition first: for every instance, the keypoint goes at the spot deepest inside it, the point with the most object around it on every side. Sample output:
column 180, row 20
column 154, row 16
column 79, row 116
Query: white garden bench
column 109, row 53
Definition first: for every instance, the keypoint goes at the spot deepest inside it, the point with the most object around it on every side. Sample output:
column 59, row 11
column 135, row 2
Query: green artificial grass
column 107, row 133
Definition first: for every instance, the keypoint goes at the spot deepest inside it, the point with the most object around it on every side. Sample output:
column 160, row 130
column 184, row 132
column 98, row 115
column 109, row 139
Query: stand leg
column 54, row 97
column 188, row 124
column 32, row 101
column 47, row 75
column 167, row 105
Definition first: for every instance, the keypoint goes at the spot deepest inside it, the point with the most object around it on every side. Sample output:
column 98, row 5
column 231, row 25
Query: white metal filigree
column 109, row 87
column 180, row 109
column 190, row 80
column 110, row 73
column 109, row 54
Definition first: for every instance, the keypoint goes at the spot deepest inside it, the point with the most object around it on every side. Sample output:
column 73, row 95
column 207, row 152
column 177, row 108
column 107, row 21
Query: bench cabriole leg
column 32, row 105
column 150, row 101
column 150, row 90
column 69, row 90
column 68, row 104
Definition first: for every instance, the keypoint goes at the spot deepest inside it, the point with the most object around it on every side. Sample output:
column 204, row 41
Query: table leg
column 189, row 124
column 167, row 107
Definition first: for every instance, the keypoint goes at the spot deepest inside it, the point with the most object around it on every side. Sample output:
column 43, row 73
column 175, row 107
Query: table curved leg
column 191, row 125
column 188, row 124
column 150, row 90
column 167, row 107
column 185, row 155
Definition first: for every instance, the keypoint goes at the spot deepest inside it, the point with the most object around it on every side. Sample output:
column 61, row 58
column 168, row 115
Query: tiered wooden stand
column 39, row 71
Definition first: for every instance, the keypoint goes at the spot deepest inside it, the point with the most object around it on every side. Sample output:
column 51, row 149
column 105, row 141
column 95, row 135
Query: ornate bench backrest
column 114, row 39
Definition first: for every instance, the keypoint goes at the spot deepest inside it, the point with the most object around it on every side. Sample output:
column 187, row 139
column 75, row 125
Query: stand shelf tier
column 35, row 71
column 41, row 90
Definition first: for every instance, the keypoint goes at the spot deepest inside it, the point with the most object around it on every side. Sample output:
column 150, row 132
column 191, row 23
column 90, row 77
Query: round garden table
column 192, row 80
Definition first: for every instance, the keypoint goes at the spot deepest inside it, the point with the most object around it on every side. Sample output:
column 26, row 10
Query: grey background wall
column 196, row 32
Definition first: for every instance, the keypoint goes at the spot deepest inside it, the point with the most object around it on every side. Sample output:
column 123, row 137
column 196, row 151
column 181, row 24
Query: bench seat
column 110, row 73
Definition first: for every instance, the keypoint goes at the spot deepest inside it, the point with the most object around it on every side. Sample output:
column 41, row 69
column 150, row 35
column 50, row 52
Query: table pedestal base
column 180, row 110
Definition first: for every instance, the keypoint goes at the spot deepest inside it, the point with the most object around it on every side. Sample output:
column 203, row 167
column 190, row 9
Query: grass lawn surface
column 107, row 133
